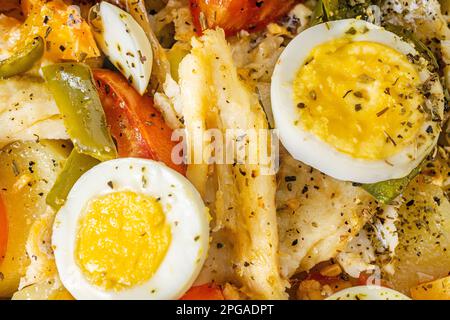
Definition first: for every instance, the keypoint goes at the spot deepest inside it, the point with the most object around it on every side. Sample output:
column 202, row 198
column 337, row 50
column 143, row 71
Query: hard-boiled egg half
column 369, row 292
column 124, row 42
column 356, row 102
column 130, row 229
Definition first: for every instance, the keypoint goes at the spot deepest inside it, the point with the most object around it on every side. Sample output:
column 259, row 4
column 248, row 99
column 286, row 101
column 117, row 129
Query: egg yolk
column 362, row 98
column 122, row 239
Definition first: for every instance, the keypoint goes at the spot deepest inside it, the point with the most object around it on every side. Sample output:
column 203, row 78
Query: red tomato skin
column 204, row 292
column 367, row 279
column 137, row 127
column 236, row 15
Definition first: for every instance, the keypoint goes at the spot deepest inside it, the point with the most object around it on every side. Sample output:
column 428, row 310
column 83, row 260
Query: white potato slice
column 424, row 235
column 28, row 111
column 124, row 42
column 28, row 171
column 51, row 128
column 49, row 289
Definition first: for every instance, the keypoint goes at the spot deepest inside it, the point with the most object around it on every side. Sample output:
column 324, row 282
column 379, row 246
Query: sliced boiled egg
column 124, row 42
column 370, row 292
column 356, row 102
column 130, row 229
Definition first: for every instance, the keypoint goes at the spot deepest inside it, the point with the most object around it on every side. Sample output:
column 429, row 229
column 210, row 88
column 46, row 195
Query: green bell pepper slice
column 76, row 165
column 73, row 89
column 386, row 191
column 22, row 60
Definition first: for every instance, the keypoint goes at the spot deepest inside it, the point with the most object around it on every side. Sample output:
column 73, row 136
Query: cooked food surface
column 370, row 75
column 41, row 280
column 10, row 33
column 27, row 170
column 122, row 239
column 424, row 236
column 317, row 215
column 235, row 149
column 368, row 293
column 126, row 224
column 28, row 111
column 75, row 95
column 432, row 290
column 244, row 204
column 68, row 36
column 129, row 44
column 235, row 15
column 406, row 244
column 45, row 290
column 426, row 18
column 141, row 131
column 364, row 109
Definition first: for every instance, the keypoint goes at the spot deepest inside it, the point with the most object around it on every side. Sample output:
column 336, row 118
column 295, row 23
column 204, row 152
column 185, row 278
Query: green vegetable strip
column 386, row 191
column 23, row 60
column 319, row 15
column 77, row 99
column 326, row 10
column 75, row 166
column 331, row 9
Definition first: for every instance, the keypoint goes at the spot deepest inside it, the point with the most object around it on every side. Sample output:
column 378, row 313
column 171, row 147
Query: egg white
column 369, row 292
column 185, row 213
column 124, row 42
column 310, row 149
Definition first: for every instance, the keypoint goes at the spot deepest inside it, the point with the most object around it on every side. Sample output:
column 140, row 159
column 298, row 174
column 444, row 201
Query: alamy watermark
column 254, row 147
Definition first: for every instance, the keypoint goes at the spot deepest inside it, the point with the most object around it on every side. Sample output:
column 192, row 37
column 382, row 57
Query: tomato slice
column 138, row 128
column 3, row 229
column 368, row 279
column 204, row 292
column 236, row 15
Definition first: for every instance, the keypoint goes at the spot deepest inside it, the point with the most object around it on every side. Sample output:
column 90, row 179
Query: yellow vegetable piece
column 67, row 35
column 433, row 290
column 175, row 55
column 122, row 239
